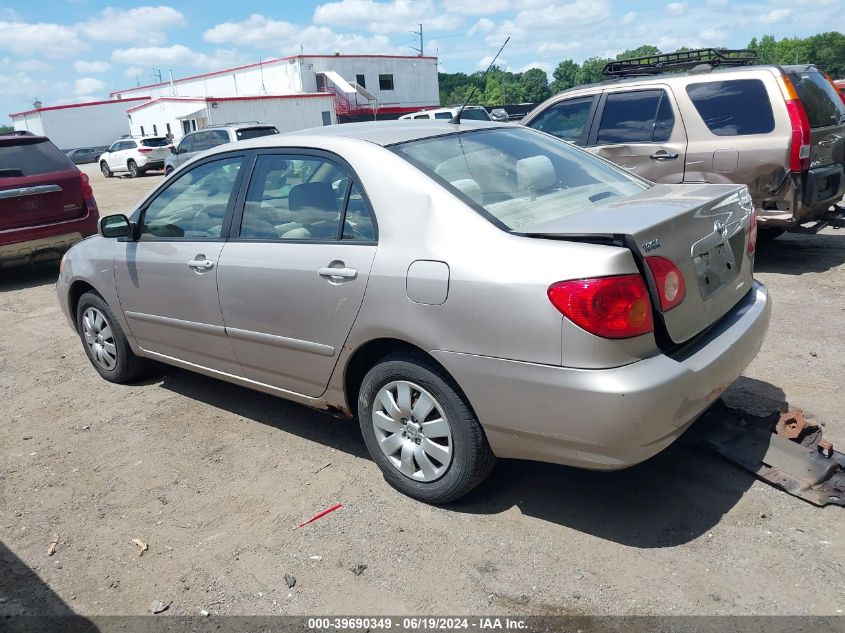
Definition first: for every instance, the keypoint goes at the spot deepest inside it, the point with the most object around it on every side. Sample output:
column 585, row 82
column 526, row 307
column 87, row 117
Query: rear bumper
column 608, row 419
column 151, row 164
column 803, row 197
column 46, row 242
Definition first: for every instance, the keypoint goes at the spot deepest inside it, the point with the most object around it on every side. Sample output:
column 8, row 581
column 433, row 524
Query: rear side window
column 255, row 132
column 218, row 137
column 32, row 159
column 566, row 120
column 155, row 142
column 643, row 116
column 821, row 103
column 733, row 108
column 442, row 115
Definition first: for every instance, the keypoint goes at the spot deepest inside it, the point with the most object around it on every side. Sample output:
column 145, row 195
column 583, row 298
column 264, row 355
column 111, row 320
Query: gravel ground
column 214, row 478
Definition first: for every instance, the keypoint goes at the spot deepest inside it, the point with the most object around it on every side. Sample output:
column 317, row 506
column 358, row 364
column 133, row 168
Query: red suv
column 46, row 203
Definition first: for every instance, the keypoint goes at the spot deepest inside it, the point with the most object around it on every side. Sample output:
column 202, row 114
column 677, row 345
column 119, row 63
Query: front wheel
column 420, row 431
column 132, row 166
column 104, row 167
column 105, row 343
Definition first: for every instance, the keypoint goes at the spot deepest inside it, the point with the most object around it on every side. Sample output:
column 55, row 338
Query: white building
column 179, row 115
column 92, row 124
column 362, row 84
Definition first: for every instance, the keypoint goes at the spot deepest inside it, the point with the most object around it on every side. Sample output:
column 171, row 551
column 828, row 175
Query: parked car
column 778, row 129
column 83, row 155
column 500, row 115
column 474, row 113
column 135, row 156
column 46, row 203
column 201, row 140
column 501, row 294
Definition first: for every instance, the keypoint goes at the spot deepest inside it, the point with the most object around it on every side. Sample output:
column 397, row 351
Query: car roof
column 379, row 132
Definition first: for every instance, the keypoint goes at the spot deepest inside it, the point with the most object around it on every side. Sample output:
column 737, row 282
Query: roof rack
column 681, row 60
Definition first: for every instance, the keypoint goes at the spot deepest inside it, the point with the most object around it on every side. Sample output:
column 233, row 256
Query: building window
column 361, row 80
column 327, row 118
column 142, row 131
column 155, row 130
column 385, row 82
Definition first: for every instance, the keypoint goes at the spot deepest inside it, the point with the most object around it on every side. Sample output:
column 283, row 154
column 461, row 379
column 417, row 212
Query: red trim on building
column 77, row 105
column 270, row 61
column 304, row 95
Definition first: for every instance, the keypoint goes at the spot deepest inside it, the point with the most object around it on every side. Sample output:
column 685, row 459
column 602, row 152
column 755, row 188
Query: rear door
column 826, row 114
column 38, row 184
column 293, row 276
column 641, row 131
column 110, row 153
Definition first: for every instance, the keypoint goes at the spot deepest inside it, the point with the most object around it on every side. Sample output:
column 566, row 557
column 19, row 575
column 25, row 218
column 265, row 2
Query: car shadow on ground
column 31, row 276
column 28, row 602
column 796, row 254
column 669, row 500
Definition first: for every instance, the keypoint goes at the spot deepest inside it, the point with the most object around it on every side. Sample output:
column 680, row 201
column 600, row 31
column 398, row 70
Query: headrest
column 312, row 195
column 535, row 171
column 468, row 187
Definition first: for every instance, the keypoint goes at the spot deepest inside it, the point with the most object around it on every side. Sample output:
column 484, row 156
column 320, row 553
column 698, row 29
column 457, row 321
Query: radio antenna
column 457, row 118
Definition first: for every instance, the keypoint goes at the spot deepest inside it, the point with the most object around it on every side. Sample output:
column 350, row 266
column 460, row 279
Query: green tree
column 5, row 129
column 590, row 71
column 535, row 85
column 641, row 51
column 565, row 75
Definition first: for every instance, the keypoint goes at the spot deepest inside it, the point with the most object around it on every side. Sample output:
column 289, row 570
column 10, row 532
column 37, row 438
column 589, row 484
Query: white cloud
column 484, row 25
column 629, row 18
column 544, row 66
column 474, row 7
column 32, row 66
column 176, row 55
column 257, row 30
column 676, row 8
column 47, row 39
column 776, row 15
column 484, row 62
column 713, row 36
column 86, row 86
column 83, row 67
column 145, row 25
column 396, row 16
column 133, row 71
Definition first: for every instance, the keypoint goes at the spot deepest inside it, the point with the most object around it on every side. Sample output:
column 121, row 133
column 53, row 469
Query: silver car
column 467, row 291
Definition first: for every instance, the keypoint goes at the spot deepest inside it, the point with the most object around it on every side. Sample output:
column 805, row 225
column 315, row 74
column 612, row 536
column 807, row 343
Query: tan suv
column 778, row 129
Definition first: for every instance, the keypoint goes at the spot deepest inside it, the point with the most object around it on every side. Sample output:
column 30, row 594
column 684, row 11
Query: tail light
column 87, row 191
column 671, row 287
column 799, row 149
column 752, row 233
column 145, row 150
column 611, row 307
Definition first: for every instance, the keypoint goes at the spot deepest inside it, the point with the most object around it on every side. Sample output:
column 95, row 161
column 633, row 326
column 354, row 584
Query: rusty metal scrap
column 792, row 425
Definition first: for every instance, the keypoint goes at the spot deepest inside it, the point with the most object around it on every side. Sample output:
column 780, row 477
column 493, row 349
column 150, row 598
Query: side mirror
column 117, row 225
column 173, row 150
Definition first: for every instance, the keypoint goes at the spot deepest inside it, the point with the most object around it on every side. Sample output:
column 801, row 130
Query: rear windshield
column 255, row 132
column 477, row 114
column 518, row 177
column 821, row 103
column 32, row 159
column 155, row 142
column 733, row 108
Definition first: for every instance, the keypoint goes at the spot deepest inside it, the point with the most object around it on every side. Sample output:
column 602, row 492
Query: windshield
column 519, row 177
column 255, row 132
column 31, row 159
column 155, row 142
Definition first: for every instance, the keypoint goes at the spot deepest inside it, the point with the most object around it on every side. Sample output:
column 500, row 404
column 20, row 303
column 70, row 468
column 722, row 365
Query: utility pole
column 421, row 49
column 157, row 75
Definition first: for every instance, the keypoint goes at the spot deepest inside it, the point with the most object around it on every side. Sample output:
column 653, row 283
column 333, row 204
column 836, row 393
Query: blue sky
column 63, row 51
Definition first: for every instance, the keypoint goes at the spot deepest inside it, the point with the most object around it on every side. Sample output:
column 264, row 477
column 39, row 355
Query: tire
column 123, row 365
column 167, row 171
column 470, row 459
column 132, row 166
column 767, row 234
column 104, row 167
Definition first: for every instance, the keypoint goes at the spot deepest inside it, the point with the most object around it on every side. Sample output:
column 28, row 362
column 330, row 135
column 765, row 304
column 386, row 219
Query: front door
column 640, row 131
column 113, row 155
column 167, row 278
column 293, row 279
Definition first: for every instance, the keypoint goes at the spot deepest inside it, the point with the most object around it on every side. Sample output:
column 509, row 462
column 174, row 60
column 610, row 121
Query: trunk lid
column 38, row 184
column 825, row 113
column 155, row 148
column 702, row 229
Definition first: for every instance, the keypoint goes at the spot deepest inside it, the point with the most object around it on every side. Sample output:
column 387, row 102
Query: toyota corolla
column 467, row 291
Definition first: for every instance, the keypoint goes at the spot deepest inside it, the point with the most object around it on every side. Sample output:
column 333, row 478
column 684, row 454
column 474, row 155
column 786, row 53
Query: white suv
column 475, row 113
column 135, row 155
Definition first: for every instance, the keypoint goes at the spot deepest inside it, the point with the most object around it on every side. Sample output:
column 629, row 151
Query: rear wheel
column 420, row 431
column 104, row 167
column 105, row 343
column 132, row 166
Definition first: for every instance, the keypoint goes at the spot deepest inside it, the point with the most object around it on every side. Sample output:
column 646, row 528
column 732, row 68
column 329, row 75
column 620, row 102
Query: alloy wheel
column 412, row 431
column 99, row 337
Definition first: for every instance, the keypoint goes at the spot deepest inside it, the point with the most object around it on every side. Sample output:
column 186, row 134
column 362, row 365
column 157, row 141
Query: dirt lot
column 214, row 478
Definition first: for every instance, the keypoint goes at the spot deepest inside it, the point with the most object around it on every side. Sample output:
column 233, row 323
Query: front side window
column 385, row 82
column 733, row 108
column 517, row 177
column 632, row 117
column 292, row 197
column 566, row 120
column 202, row 141
column 194, row 205
column 114, row 147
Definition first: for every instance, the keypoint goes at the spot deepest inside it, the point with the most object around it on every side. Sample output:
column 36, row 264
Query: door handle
column 662, row 154
column 200, row 263
column 830, row 140
column 338, row 273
